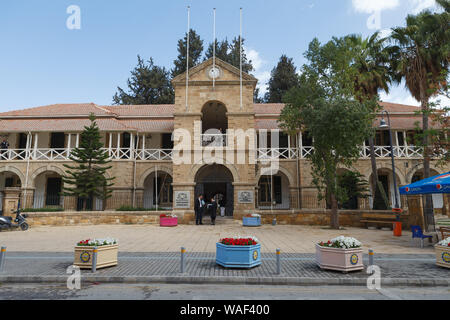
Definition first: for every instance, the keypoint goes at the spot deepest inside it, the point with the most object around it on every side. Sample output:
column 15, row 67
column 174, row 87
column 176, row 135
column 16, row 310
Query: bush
column 43, row 210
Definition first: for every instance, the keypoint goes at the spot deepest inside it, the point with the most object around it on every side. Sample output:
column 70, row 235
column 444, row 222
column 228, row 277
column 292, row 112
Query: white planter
column 337, row 259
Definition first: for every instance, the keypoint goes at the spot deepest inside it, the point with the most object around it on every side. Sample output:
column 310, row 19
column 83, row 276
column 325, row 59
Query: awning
column 437, row 184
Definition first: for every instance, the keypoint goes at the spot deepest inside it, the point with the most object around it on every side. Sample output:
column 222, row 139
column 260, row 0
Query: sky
column 48, row 55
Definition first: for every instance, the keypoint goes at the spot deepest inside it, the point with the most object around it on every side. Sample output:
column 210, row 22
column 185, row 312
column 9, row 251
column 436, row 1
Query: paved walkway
column 151, row 238
column 297, row 269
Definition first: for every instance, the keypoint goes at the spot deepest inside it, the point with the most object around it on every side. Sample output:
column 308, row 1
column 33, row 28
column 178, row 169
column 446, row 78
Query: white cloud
column 420, row 5
column 371, row 6
column 260, row 72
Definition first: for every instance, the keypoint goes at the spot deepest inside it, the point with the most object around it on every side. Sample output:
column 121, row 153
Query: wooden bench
column 445, row 232
column 378, row 218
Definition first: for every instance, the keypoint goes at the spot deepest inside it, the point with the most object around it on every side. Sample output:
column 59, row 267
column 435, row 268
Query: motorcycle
column 19, row 222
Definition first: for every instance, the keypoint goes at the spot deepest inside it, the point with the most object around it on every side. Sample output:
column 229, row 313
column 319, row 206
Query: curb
column 286, row 281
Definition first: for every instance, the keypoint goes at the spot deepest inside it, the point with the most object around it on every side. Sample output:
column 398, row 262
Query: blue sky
column 43, row 62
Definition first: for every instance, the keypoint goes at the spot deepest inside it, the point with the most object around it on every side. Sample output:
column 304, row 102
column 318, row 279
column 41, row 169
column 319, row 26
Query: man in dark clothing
column 199, row 208
column 212, row 208
column 3, row 149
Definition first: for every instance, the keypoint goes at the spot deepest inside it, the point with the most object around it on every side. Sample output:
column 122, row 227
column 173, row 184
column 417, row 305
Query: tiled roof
column 58, row 125
column 269, row 124
column 395, row 107
column 58, row 110
column 163, row 110
column 153, row 125
column 268, row 108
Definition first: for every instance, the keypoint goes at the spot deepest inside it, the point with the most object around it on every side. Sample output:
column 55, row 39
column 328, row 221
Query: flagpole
column 214, row 47
column 240, row 56
column 187, row 55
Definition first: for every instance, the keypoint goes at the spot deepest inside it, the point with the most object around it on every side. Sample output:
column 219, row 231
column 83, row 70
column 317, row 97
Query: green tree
column 421, row 56
column 230, row 53
column 283, row 77
column 149, row 84
column 372, row 73
column 87, row 179
column 195, row 53
column 222, row 48
column 354, row 186
column 324, row 105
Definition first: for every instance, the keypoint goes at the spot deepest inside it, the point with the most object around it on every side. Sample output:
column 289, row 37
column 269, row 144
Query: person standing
column 199, row 208
column 212, row 208
column 4, row 148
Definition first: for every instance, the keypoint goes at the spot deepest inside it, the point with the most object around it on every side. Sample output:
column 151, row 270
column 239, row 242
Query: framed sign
column 245, row 197
column 182, row 199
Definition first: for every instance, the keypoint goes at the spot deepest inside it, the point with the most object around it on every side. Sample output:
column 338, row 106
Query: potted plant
column 251, row 220
column 238, row 252
column 107, row 251
column 168, row 220
column 442, row 250
column 340, row 254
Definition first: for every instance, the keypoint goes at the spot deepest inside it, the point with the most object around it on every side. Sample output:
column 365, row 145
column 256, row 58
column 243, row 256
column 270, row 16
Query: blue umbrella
column 437, row 184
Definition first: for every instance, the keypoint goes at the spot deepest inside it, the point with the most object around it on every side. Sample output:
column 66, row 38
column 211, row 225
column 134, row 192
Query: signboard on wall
column 182, row 199
column 245, row 197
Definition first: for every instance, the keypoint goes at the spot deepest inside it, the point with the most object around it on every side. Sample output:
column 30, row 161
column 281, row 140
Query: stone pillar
column 27, row 197
column 293, row 197
column 10, row 200
column 185, row 213
column 244, row 199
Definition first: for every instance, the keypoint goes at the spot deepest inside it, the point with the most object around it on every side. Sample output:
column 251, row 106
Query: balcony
column 46, row 154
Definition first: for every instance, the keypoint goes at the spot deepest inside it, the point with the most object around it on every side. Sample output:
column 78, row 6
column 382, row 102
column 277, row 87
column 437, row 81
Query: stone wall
column 318, row 217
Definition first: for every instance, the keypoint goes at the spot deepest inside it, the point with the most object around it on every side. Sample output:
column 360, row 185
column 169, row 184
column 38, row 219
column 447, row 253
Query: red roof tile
column 58, row 110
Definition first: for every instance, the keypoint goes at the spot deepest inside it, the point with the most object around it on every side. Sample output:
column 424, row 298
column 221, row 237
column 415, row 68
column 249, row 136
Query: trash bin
column 397, row 229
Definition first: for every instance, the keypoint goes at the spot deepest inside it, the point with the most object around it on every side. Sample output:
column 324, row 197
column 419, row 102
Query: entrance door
column 53, row 197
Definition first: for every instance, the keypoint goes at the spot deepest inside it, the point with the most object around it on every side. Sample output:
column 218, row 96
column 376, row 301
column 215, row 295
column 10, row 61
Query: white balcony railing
column 45, row 154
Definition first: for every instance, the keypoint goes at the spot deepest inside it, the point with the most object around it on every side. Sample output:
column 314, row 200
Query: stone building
column 139, row 141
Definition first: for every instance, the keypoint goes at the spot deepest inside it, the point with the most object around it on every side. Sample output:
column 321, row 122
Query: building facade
column 228, row 158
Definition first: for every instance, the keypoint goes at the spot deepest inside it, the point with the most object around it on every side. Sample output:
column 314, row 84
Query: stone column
column 10, row 201
column 184, row 213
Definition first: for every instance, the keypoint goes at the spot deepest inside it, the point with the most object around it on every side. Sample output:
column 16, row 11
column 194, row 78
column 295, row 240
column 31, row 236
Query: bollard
column 94, row 260
column 370, row 257
column 2, row 258
column 278, row 261
column 183, row 251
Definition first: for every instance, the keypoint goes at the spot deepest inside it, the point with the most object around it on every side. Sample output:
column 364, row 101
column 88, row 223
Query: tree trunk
column 428, row 205
column 334, row 212
column 373, row 162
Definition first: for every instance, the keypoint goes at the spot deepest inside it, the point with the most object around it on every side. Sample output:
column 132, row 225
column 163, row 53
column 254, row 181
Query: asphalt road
column 215, row 292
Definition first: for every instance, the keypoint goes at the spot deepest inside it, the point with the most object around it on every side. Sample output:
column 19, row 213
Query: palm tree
column 372, row 73
column 421, row 56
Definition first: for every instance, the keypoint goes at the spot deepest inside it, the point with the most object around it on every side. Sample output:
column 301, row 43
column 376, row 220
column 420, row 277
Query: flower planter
column 251, row 221
column 338, row 259
column 168, row 222
column 106, row 256
column 442, row 256
column 238, row 256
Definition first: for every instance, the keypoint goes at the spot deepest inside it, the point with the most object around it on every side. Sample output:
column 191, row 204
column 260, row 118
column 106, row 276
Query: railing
column 214, row 140
column 262, row 154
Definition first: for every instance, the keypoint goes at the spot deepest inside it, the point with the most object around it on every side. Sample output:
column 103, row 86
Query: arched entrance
column 48, row 187
column 273, row 192
column 216, row 181
column 214, row 124
column 8, row 180
column 158, row 191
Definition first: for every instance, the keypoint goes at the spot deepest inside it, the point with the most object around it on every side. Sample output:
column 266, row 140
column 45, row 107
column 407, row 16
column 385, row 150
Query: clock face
column 214, row 73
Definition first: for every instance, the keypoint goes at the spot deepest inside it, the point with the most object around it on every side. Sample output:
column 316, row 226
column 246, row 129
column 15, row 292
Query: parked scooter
column 19, row 222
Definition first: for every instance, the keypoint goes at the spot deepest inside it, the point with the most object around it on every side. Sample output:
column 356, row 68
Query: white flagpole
column 187, row 56
column 214, row 46
column 240, row 55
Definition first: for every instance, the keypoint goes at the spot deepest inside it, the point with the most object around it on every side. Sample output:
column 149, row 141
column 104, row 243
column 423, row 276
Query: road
column 215, row 292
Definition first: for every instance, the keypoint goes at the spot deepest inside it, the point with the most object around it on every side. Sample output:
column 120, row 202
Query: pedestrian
column 199, row 208
column 212, row 208
column 4, row 148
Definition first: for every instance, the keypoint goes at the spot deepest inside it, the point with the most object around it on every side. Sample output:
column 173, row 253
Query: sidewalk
column 297, row 269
